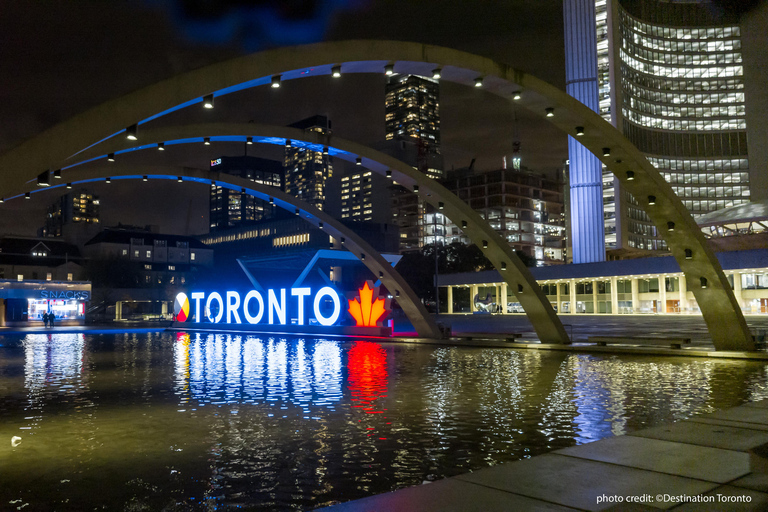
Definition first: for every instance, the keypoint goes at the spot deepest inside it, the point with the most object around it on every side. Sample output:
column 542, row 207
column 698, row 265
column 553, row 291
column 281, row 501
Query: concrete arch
column 413, row 308
column 704, row 275
column 536, row 305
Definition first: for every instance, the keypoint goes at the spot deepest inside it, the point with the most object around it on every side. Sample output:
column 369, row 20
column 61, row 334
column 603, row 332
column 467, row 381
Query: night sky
column 61, row 58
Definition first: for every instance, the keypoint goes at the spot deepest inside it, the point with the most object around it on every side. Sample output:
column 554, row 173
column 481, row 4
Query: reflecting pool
column 171, row 421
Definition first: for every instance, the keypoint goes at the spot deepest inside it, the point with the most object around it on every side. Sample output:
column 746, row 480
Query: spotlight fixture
column 703, row 281
column 69, row 185
column 213, row 184
column 463, row 224
column 630, row 175
column 516, row 95
column 2, row 200
column 550, row 112
column 389, row 69
column 479, row 81
column 485, row 244
column 440, row 205
column 688, row 254
column 57, row 174
column 161, row 146
column 242, row 190
column 276, row 81
column 330, row 245
column 670, row 226
column 111, row 157
column 249, row 141
column 519, row 288
column 325, row 150
column 130, row 132
column 503, row 265
column 437, row 73
column 145, row 178
column 27, row 195
column 297, row 211
column 287, row 143
column 381, row 274
column 343, row 240
column 271, row 200
column 606, row 151
column 44, row 179
column 179, row 179
column 362, row 256
column 336, row 71
column 397, row 293
column 207, row 141
column 389, row 174
column 651, row 200
column 416, row 188
column 108, row 180
column 358, row 161
column 579, row 131
column 320, row 225
column 208, row 101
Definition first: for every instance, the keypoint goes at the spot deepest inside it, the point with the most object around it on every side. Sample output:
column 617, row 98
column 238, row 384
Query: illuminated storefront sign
column 69, row 294
column 284, row 306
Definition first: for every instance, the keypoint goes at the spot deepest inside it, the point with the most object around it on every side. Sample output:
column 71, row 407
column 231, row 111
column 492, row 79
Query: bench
column 639, row 340
column 508, row 337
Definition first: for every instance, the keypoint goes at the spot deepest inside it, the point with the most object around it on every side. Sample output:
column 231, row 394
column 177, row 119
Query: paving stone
column 759, row 403
column 754, row 481
column 729, row 423
column 758, row 501
column 704, row 434
column 446, row 496
column 575, row 482
column 711, row 464
column 742, row 413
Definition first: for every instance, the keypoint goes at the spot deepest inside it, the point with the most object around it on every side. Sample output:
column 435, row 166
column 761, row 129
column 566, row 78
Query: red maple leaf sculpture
column 364, row 309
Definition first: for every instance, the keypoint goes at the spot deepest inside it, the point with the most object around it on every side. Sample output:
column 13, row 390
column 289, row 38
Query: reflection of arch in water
column 705, row 277
column 407, row 299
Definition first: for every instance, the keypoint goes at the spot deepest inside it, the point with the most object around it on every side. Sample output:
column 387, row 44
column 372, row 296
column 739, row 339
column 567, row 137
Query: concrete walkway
column 700, row 464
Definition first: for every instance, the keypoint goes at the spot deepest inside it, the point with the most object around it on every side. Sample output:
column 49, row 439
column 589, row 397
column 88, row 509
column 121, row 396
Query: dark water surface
column 167, row 421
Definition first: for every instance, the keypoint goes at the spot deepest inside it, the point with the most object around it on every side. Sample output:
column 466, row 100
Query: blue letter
column 197, row 296
column 301, row 293
column 253, row 319
column 327, row 290
column 274, row 306
column 232, row 306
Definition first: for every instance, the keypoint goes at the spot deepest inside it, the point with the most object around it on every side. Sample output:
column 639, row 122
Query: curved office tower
column 584, row 169
column 671, row 78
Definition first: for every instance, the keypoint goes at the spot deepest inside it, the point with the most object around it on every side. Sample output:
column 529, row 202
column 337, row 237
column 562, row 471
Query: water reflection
column 223, row 369
column 223, row 421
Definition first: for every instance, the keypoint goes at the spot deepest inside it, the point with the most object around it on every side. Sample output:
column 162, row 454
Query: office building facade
column 671, row 77
column 228, row 208
column 307, row 172
column 75, row 217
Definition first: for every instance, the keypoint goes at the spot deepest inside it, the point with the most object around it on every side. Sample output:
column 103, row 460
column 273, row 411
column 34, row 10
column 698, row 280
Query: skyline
column 56, row 79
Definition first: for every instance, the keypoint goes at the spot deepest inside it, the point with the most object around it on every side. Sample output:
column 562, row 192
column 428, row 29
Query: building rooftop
column 121, row 236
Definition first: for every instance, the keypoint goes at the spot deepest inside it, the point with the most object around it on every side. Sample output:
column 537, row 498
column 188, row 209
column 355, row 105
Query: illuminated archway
column 696, row 259
column 346, row 238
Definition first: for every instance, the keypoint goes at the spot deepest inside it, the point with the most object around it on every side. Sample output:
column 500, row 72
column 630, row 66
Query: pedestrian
column 45, row 319
column 51, row 317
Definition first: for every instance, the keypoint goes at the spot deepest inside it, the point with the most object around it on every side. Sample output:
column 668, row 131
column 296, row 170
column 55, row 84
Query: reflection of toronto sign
column 275, row 307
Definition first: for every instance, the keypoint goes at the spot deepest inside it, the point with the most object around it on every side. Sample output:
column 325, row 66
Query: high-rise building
column 671, row 77
column 525, row 208
column 412, row 125
column 307, row 172
column 74, row 217
column 228, row 208
column 364, row 198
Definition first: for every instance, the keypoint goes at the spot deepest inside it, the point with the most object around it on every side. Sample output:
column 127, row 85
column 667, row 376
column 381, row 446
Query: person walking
column 45, row 319
column 51, row 317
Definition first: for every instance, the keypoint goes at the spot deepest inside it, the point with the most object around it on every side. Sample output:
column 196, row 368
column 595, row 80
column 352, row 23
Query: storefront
column 23, row 303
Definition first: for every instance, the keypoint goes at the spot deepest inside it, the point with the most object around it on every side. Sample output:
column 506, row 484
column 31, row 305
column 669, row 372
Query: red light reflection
column 367, row 366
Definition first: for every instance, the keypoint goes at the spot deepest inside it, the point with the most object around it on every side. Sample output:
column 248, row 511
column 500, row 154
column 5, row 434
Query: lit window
column 69, row 277
column 149, row 254
column 20, row 277
column 192, row 256
column 48, row 276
